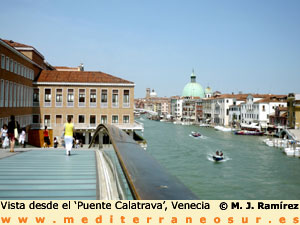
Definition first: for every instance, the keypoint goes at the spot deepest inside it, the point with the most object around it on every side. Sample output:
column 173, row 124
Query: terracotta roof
column 16, row 44
column 271, row 99
column 79, row 77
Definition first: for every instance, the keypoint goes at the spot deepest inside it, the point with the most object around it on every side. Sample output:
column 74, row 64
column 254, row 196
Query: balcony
column 81, row 104
column 126, row 104
column 36, row 104
column 115, row 105
column 58, row 104
column 70, row 104
column 103, row 104
column 47, row 104
column 93, row 104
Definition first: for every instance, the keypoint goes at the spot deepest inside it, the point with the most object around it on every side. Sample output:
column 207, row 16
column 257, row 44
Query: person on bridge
column 13, row 132
column 69, row 130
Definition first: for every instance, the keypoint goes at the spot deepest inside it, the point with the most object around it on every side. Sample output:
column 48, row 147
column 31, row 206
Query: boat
column 224, row 129
column 247, row 132
column 217, row 158
column 195, row 134
column 204, row 125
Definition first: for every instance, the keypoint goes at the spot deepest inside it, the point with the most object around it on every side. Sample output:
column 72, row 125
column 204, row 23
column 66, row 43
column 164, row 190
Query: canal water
column 251, row 170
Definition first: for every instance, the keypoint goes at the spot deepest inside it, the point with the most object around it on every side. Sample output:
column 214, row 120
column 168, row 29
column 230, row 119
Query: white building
column 256, row 110
column 176, row 108
column 216, row 109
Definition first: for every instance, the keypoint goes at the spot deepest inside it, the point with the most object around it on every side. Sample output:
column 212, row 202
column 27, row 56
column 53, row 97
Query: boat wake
column 210, row 158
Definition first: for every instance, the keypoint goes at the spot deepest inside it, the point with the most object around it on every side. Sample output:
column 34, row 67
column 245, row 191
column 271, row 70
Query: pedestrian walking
column 69, row 130
column 55, row 142
column 3, row 134
column 22, row 138
column 13, row 132
column 46, row 138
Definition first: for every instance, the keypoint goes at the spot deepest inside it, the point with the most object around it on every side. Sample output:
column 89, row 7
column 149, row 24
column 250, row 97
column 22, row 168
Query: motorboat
column 224, row 129
column 289, row 151
column 204, row 125
column 217, row 158
column 247, row 132
column 195, row 134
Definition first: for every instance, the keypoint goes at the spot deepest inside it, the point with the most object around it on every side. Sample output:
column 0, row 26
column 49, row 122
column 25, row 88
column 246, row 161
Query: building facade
column 293, row 104
column 40, row 95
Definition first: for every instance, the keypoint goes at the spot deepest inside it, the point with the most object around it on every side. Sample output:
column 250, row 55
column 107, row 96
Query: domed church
column 193, row 89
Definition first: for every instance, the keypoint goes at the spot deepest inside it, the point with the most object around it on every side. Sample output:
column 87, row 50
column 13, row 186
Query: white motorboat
column 224, row 129
column 289, row 151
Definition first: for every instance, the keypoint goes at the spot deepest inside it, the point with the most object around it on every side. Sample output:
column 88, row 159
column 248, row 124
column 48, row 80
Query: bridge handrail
column 146, row 178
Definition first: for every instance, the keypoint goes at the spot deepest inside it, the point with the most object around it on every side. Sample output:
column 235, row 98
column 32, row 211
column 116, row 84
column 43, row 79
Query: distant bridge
column 146, row 110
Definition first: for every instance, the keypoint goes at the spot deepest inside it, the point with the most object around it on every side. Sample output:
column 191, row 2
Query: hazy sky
column 233, row 45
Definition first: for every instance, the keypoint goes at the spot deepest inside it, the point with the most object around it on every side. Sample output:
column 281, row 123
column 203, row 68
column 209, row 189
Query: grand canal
column 252, row 170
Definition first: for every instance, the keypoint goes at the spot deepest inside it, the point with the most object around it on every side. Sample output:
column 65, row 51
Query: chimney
column 81, row 67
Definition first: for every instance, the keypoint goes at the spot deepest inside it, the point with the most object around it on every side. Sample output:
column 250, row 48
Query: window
column 16, row 68
column 7, row 63
column 126, row 98
column 81, row 119
column 115, row 98
column 58, row 119
column 10, row 94
column 22, row 70
column 115, row 119
column 93, row 97
column 2, row 62
column 11, row 63
column 70, row 98
column 19, row 69
column 263, row 108
column 103, row 98
column 59, row 98
column 47, row 120
column 25, row 71
column 104, row 119
column 93, row 120
column 21, row 96
column 36, row 97
column 81, row 101
column 126, row 119
column 35, row 119
column 47, row 97
column 2, row 94
column 15, row 95
column 32, row 75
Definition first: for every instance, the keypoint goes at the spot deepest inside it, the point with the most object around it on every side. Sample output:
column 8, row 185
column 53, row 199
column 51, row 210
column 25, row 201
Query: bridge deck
column 49, row 174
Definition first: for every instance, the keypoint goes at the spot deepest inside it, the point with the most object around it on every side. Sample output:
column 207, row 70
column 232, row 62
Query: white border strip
column 84, row 84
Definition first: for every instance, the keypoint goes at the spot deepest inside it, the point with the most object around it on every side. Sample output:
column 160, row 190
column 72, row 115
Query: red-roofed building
column 39, row 94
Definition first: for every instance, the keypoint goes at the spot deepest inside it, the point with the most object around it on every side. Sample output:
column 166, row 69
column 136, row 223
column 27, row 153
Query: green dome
column 193, row 89
column 208, row 90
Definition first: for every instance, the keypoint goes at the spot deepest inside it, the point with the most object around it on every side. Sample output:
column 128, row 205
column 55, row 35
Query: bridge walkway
column 49, row 174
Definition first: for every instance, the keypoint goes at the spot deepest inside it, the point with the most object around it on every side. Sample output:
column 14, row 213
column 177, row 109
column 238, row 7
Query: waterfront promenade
column 34, row 173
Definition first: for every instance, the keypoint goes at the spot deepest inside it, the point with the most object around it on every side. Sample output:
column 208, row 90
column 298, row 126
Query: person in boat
column 221, row 153
column 217, row 152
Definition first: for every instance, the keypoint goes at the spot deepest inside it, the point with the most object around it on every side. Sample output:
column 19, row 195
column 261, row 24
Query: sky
column 251, row 46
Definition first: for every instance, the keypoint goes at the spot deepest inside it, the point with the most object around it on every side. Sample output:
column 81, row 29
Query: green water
column 252, row 169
